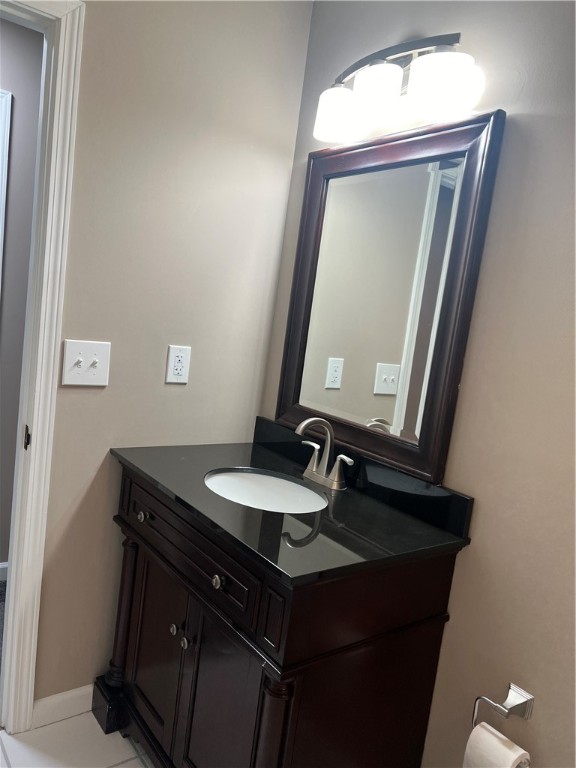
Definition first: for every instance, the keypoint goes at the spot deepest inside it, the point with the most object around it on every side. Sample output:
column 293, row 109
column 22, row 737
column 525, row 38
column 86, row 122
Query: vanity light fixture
column 414, row 83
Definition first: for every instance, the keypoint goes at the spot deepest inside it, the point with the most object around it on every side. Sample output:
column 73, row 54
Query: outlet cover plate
column 86, row 363
column 334, row 373
column 178, row 364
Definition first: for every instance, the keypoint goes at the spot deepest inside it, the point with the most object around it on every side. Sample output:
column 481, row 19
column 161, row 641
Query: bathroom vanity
column 250, row 638
column 254, row 638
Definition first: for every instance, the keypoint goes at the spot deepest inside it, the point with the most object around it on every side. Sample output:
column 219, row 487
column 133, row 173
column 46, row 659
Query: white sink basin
column 265, row 490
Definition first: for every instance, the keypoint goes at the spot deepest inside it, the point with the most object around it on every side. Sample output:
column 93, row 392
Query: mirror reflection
column 389, row 251
column 382, row 264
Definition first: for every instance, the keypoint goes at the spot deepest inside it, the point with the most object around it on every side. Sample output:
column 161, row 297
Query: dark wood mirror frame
column 478, row 140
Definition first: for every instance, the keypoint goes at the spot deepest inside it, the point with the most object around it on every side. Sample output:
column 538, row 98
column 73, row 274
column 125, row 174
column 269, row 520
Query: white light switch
column 178, row 364
column 334, row 373
column 386, row 381
column 86, row 363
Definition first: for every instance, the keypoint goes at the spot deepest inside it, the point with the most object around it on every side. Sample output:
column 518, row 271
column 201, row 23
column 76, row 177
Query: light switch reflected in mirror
column 380, row 279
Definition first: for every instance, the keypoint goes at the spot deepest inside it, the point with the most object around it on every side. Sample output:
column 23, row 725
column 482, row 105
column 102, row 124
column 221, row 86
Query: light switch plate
column 86, row 363
column 386, row 381
column 178, row 364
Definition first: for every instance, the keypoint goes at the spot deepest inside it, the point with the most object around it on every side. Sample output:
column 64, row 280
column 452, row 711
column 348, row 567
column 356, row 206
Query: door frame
column 61, row 23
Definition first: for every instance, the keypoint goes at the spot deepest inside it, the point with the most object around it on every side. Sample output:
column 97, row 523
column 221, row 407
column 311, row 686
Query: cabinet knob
column 173, row 629
column 184, row 642
column 217, row 581
column 142, row 516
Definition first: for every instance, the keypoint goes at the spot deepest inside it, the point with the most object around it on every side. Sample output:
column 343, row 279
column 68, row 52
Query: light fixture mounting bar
column 411, row 46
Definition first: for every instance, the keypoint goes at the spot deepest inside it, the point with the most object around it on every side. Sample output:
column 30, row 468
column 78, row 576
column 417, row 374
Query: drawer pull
column 185, row 643
column 217, row 581
column 200, row 561
column 173, row 630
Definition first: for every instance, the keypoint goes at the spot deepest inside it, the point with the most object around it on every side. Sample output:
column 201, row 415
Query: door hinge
column 27, row 437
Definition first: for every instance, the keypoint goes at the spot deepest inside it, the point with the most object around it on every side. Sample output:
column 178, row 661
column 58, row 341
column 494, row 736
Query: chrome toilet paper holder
column 518, row 702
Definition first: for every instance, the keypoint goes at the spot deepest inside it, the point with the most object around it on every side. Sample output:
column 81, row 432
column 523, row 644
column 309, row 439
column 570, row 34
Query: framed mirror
column 390, row 242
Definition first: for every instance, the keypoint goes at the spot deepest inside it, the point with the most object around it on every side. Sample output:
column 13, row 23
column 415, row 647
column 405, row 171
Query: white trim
column 456, row 184
column 61, row 706
column 5, row 114
column 62, row 25
column 416, row 299
column 449, row 177
column 5, row 109
column 40, row 15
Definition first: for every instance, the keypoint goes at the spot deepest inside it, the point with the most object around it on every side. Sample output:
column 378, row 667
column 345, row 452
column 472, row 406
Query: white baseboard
column 3, row 571
column 61, row 706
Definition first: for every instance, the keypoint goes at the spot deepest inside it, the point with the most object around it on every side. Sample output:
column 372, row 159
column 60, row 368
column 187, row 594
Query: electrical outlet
column 178, row 365
column 334, row 373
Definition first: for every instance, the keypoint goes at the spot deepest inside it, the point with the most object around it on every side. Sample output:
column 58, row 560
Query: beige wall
column 512, row 604
column 186, row 128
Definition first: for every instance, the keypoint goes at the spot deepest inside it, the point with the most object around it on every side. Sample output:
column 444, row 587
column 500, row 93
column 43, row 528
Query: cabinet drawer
column 227, row 584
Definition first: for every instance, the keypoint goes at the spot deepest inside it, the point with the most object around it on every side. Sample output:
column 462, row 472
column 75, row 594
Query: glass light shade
column 445, row 85
column 337, row 118
column 377, row 90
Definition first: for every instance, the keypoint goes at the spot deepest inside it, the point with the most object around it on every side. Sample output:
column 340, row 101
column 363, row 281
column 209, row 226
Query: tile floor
column 77, row 742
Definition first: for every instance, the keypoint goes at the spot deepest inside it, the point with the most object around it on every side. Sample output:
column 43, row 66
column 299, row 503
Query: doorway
column 60, row 26
column 21, row 55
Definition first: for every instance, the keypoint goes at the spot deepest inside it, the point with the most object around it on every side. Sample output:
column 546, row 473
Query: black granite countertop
column 355, row 530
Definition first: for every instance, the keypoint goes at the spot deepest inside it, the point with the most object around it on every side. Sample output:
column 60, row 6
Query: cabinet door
column 154, row 652
column 217, row 720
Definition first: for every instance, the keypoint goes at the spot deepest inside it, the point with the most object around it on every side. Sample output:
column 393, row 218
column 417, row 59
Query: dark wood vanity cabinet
column 161, row 615
column 192, row 685
column 219, row 662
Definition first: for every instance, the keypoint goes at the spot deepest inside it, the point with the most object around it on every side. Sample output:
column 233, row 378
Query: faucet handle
column 336, row 478
column 313, row 463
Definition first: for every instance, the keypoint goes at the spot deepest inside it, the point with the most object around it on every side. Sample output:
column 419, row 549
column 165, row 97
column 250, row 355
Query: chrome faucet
column 317, row 469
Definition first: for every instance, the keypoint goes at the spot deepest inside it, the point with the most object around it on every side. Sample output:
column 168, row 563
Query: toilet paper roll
column 488, row 748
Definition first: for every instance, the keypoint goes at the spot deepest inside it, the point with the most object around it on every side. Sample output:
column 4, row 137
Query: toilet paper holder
column 518, row 702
